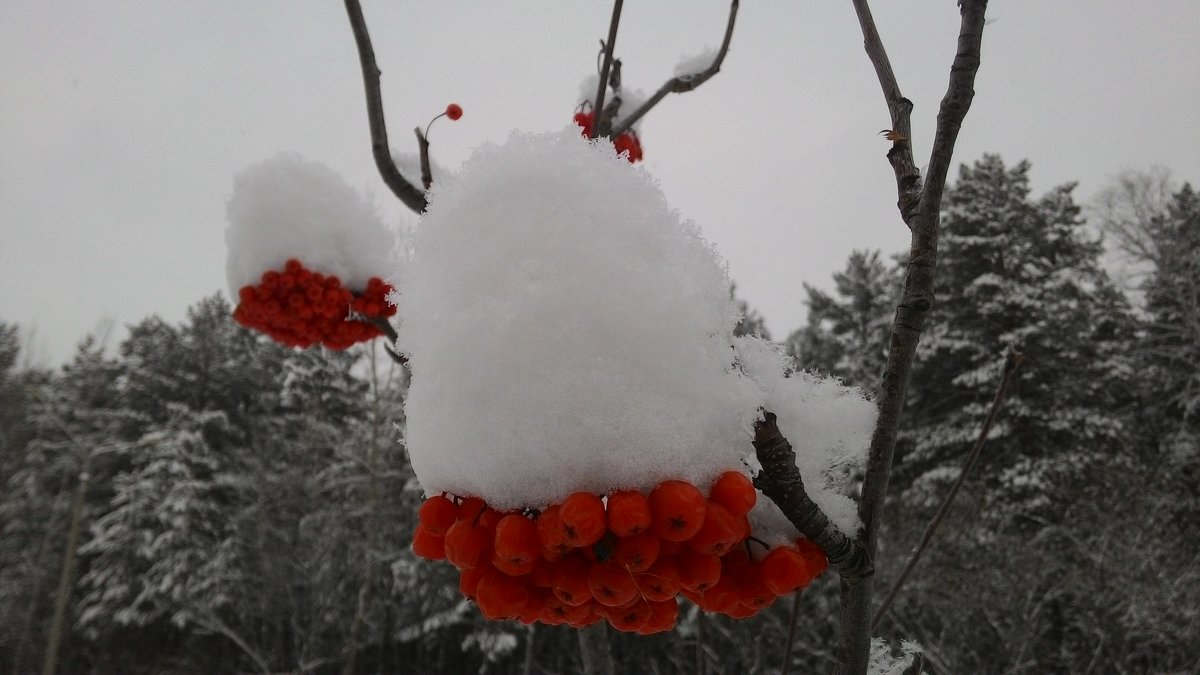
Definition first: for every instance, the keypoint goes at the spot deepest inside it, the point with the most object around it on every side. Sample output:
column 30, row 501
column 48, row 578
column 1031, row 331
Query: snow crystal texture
column 828, row 424
column 289, row 207
column 567, row 331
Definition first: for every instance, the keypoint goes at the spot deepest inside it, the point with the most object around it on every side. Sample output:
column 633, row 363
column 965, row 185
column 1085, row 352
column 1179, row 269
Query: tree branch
column 404, row 190
column 1011, row 361
column 609, row 46
column 682, row 83
column 781, row 482
column 920, row 208
column 423, row 147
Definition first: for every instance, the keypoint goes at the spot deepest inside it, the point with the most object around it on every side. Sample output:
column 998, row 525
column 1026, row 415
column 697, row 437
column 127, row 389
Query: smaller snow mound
column 289, row 207
column 690, row 65
column 828, row 424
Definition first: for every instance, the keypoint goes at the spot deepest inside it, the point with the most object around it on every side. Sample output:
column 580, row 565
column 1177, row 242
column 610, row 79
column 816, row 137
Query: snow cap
column 290, row 207
column 567, row 331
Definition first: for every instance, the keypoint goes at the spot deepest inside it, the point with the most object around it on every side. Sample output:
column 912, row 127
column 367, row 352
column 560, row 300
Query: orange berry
column 428, row 545
column 550, row 531
column 500, row 596
column 813, row 555
column 468, row 580
column 661, row 581
column 677, row 510
column 570, row 580
column 611, row 584
column 722, row 596
column 753, row 588
column 698, row 571
column 662, row 617
column 533, row 606
column 467, row 544
column 437, row 514
column 784, row 570
column 630, row 619
column 582, row 519
column 516, row 546
column 470, row 508
column 735, row 492
column 638, row 552
column 720, row 531
column 628, row 513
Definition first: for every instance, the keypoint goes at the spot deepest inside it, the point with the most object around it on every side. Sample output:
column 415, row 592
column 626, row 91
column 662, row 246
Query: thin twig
column 423, row 145
column 920, row 207
column 386, row 326
column 791, row 638
column 1011, row 361
column 609, row 47
column 682, row 83
column 404, row 190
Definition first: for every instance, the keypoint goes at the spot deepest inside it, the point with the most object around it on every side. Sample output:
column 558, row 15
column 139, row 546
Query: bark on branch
column 682, row 83
column 610, row 46
column 920, row 207
column 399, row 185
column 780, row 481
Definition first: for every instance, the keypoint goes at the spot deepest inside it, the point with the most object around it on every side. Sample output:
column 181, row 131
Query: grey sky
column 123, row 123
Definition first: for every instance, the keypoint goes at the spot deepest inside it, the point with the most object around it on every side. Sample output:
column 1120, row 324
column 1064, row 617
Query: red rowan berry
column 628, row 513
column 582, row 519
column 735, row 492
column 677, row 510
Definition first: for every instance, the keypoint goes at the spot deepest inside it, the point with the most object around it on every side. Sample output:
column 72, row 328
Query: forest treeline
column 202, row 499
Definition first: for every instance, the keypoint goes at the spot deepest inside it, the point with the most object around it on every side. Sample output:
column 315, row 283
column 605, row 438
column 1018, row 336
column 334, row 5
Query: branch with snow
column 682, row 83
column 408, row 193
column 780, row 481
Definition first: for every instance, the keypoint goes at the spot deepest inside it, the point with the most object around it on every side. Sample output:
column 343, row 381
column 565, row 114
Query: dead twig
column 682, row 83
column 399, row 185
column 1011, row 361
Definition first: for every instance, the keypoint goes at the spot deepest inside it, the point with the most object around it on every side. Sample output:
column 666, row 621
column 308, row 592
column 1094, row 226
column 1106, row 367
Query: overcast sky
column 123, row 123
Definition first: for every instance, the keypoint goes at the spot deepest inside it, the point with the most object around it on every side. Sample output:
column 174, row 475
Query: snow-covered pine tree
column 1024, row 272
column 1171, row 345
column 847, row 332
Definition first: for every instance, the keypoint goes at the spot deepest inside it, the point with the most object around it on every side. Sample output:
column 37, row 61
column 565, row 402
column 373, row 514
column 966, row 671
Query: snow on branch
column 780, row 481
column 682, row 83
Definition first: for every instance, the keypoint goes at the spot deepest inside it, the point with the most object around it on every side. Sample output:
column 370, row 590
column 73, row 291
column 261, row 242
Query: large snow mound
column 290, row 207
column 567, row 331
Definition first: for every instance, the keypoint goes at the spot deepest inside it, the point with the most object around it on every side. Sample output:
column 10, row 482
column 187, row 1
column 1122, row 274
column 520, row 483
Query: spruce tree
column 1019, row 271
column 846, row 333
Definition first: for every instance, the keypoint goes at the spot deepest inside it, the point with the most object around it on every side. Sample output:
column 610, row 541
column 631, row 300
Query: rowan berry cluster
column 623, row 559
column 627, row 142
column 299, row 308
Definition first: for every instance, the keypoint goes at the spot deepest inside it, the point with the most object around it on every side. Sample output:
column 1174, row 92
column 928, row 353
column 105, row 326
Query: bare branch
column 426, row 171
column 682, row 83
column 920, row 208
column 386, row 326
column 781, row 482
column 1011, row 361
column 609, row 46
column 404, row 190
